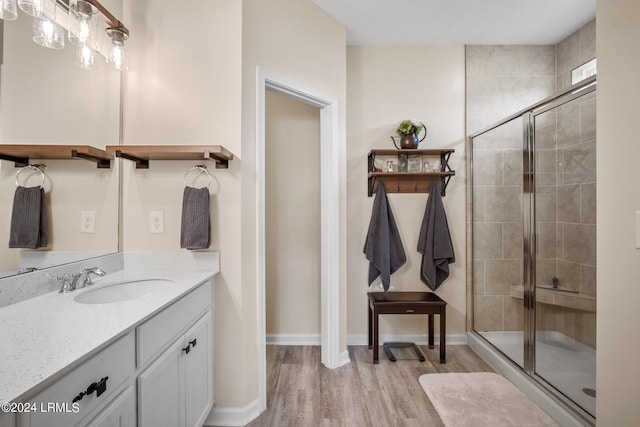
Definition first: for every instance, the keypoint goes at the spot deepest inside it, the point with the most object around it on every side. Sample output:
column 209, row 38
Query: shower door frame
column 530, row 238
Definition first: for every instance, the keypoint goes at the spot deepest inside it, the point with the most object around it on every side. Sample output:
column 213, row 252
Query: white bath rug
column 482, row 399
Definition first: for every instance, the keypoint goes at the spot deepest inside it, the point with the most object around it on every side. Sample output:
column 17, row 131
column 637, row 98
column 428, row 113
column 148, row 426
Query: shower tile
column 569, row 275
column 501, row 60
column 568, row 323
column 546, row 270
column 504, row 203
column 569, row 124
column 475, row 60
column 547, row 318
column 513, row 166
column 501, row 275
column 563, row 80
column 588, row 42
column 475, row 121
column 545, row 127
column 568, row 53
column 488, row 168
column 586, row 329
column 546, row 203
column 588, row 203
column 580, row 163
column 588, row 119
column 580, row 243
column 525, row 91
column 512, row 240
column 537, row 60
column 488, row 313
column 513, row 314
column 546, row 167
column 588, row 279
column 548, row 243
column 487, row 240
column 569, row 203
column 478, row 277
column 478, row 203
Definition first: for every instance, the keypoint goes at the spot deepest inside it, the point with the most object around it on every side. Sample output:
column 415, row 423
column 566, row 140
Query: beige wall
column 618, row 265
column 385, row 86
column 298, row 40
column 183, row 87
column 292, row 216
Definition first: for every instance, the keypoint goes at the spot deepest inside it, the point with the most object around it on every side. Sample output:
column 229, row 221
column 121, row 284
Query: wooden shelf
column 20, row 154
column 141, row 154
column 409, row 182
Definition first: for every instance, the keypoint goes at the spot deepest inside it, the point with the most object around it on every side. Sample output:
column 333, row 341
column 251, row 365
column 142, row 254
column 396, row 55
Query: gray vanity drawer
column 117, row 362
column 157, row 333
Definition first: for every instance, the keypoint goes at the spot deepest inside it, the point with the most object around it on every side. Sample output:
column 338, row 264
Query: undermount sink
column 121, row 291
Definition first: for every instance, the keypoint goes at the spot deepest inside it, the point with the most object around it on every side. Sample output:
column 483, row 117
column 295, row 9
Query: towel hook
column 200, row 168
column 38, row 168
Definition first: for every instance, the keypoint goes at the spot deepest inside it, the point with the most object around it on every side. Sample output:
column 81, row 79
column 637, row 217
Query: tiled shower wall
column 500, row 81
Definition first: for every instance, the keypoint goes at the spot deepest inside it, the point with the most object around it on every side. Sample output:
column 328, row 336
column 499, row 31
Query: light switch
column 637, row 229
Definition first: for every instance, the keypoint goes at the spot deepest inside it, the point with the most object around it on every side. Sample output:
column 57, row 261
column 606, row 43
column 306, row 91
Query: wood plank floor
column 301, row 392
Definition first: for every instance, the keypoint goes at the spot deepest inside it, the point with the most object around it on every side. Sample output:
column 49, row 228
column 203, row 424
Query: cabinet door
column 161, row 390
column 119, row 413
column 199, row 372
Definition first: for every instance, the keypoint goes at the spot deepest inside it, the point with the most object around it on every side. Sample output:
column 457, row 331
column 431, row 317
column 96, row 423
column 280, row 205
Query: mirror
column 46, row 99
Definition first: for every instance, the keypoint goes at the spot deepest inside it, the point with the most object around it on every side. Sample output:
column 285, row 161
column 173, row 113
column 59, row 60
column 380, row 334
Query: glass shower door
column 498, row 238
column 564, row 223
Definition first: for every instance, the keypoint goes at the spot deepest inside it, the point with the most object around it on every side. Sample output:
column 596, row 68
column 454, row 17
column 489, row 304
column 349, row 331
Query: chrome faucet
column 84, row 279
column 71, row 282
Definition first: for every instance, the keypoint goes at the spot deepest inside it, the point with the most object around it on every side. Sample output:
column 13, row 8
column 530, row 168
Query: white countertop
column 42, row 337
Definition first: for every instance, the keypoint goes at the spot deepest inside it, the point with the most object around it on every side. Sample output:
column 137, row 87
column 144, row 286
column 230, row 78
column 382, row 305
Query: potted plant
column 408, row 131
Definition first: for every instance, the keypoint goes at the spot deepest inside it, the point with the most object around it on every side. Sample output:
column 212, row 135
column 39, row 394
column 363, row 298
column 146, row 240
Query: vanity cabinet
column 158, row 373
column 177, row 388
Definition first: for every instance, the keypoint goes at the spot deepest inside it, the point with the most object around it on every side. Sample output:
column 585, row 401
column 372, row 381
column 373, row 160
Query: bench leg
column 370, row 321
column 443, row 334
column 431, row 331
column 375, row 338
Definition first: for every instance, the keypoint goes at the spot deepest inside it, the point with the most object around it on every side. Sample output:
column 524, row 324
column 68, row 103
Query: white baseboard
column 232, row 417
column 420, row 339
column 293, row 339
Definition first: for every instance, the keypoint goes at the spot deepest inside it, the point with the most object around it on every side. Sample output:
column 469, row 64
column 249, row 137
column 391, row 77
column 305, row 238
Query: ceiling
column 417, row 22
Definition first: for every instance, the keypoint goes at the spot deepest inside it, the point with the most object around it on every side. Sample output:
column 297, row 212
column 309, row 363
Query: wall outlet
column 156, row 222
column 88, row 221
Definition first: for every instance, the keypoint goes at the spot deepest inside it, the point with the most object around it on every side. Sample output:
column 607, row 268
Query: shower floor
column 564, row 363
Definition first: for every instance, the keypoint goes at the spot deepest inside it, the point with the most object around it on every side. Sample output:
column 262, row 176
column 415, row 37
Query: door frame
column 330, row 161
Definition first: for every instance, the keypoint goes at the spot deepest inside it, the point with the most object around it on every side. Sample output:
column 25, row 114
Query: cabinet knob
column 193, row 342
column 187, row 349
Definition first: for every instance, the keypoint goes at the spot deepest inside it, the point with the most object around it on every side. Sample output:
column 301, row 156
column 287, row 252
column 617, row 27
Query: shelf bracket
column 19, row 162
column 140, row 163
column 100, row 163
column 220, row 163
column 444, row 182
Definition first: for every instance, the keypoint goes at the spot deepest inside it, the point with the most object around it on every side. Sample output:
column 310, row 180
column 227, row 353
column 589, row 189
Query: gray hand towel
column 383, row 245
column 195, row 230
column 29, row 220
column 434, row 242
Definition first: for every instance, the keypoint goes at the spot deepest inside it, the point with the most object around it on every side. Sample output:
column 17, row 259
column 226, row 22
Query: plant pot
column 409, row 141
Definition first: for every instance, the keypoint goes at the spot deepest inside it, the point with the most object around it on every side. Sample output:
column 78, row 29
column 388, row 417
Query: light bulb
column 117, row 55
column 8, row 10
column 86, row 58
column 83, row 26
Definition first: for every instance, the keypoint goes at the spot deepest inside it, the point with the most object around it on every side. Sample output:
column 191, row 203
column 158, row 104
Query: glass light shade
column 8, row 10
column 117, row 55
column 34, row 8
column 48, row 34
column 83, row 26
column 87, row 58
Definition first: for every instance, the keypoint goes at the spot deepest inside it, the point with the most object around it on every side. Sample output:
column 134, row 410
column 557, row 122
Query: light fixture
column 8, row 10
column 80, row 22
column 86, row 58
column 117, row 55
column 34, row 8
column 82, row 26
column 48, row 34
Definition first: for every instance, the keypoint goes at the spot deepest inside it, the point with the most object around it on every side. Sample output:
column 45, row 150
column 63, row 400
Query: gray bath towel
column 29, row 220
column 195, row 231
column 434, row 242
column 383, row 246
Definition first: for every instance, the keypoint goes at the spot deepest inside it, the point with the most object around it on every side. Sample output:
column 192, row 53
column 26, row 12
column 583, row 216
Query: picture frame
column 414, row 163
